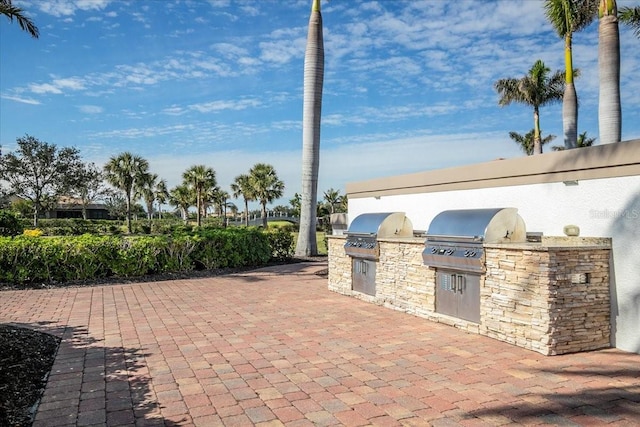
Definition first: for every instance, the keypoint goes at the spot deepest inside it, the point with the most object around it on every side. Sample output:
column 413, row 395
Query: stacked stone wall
column 552, row 300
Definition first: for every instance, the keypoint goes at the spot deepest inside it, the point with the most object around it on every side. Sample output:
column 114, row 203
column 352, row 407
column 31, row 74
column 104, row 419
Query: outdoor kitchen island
column 551, row 296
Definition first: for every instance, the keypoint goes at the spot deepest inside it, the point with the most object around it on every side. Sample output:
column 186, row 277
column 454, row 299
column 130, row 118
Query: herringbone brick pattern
column 274, row 347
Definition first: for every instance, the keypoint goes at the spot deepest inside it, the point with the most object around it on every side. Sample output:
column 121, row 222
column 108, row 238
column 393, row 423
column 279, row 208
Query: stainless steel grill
column 364, row 249
column 365, row 229
column 454, row 247
column 455, row 237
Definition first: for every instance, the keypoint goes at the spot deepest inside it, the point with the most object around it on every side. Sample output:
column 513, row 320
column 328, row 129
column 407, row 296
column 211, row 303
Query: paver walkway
column 274, row 347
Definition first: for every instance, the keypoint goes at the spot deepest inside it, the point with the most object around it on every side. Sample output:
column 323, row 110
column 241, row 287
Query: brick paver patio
column 274, row 347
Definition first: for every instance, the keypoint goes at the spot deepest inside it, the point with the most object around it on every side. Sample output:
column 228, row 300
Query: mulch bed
column 26, row 356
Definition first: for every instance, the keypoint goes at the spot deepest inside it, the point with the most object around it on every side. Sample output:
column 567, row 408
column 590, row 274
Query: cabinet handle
column 454, row 282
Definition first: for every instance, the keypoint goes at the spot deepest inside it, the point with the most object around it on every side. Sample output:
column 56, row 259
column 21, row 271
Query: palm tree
column 631, row 17
column 200, row 178
column 609, row 107
column 343, row 203
column 332, row 198
column 124, row 172
column 182, row 198
column 242, row 187
column 312, row 110
column 266, row 186
column 161, row 195
column 567, row 17
column 10, row 11
column 146, row 189
column 526, row 141
column 536, row 89
column 220, row 198
column 583, row 141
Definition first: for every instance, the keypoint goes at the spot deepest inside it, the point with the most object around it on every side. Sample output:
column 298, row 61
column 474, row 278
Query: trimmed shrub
column 26, row 259
column 281, row 242
column 10, row 224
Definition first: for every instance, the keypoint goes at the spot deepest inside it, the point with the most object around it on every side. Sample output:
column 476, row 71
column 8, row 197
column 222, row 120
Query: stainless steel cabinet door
column 458, row 295
column 363, row 278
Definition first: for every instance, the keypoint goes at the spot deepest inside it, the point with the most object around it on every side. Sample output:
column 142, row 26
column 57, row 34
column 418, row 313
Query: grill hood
column 381, row 225
column 494, row 225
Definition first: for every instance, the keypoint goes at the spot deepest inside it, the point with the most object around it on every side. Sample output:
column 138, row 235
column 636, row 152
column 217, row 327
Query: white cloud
column 216, row 106
column 20, row 99
column 69, row 7
column 90, row 109
column 44, row 88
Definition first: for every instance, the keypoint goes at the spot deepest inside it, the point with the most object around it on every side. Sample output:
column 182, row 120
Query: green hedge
column 56, row 259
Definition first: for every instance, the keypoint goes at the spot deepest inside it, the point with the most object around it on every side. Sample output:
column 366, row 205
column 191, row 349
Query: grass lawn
column 322, row 246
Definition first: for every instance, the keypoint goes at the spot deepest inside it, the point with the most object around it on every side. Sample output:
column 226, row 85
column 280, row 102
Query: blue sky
column 408, row 84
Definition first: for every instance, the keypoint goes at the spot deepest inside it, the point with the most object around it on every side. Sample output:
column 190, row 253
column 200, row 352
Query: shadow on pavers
column 90, row 383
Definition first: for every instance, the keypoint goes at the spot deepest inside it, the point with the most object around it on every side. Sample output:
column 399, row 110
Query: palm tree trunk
column 129, row 211
column 569, row 100
column 264, row 216
column 246, row 212
column 537, row 143
column 198, row 208
column 312, row 109
column 609, row 110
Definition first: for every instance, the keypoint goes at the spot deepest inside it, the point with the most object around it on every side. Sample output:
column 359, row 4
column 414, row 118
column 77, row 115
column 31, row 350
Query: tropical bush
column 10, row 224
column 282, row 244
column 25, row 259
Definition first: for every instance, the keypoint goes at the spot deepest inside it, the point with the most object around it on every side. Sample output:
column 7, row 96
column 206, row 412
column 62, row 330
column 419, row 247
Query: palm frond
column 631, row 17
column 11, row 12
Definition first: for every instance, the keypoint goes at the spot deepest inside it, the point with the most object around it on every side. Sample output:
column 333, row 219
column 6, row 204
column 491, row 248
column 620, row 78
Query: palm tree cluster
column 130, row 174
column 538, row 88
column 261, row 184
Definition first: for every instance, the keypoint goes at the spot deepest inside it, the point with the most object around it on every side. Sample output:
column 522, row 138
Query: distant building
column 70, row 207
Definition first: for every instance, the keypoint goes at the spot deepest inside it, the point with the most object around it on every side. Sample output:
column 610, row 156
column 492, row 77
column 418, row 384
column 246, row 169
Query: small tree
column 526, row 141
column 116, row 205
column 583, row 141
column 266, row 186
column 332, row 199
column 40, row 172
column 146, row 189
column 241, row 186
column 162, row 195
column 201, row 178
column 90, row 186
column 536, row 89
column 125, row 172
column 182, row 197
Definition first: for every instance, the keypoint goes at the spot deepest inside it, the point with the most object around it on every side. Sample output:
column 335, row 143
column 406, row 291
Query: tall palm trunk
column 128, row 191
column 537, row 142
column 609, row 110
column 569, row 99
column 307, row 244
column 246, row 212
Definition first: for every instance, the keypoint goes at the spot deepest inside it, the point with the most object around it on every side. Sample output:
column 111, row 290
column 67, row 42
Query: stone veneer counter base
column 551, row 297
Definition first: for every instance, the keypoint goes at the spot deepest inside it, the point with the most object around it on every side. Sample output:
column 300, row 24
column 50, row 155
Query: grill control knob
column 450, row 251
column 434, row 250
